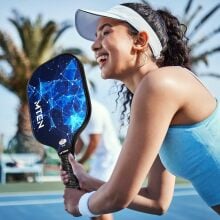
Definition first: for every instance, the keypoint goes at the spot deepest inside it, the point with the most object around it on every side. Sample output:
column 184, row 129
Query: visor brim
column 86, row 22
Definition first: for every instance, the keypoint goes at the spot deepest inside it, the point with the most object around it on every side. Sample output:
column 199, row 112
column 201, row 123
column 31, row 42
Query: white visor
column 86, row 23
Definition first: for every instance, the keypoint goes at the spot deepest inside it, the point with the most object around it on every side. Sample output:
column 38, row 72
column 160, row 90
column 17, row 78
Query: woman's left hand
column 71, row 200
column 86, row 182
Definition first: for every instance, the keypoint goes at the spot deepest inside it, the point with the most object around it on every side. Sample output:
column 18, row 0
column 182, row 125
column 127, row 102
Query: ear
column 141, row 41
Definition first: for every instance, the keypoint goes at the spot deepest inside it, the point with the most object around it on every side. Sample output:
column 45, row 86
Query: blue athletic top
column 193, row 152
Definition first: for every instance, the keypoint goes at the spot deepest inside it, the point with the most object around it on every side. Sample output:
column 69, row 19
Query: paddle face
column 59, row 102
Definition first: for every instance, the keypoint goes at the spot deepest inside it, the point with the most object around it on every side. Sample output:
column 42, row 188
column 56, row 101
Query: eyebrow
column 102, row 27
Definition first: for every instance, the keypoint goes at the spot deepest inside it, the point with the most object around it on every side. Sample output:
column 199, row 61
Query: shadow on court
column 186, row 205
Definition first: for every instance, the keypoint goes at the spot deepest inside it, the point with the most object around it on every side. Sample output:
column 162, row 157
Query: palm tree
column 37, row 45
column 189, row 15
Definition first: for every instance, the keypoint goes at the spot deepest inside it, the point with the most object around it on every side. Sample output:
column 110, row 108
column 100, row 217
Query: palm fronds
column 216, row 75
column 193, row 16
column 203, row 57
column 14, row 56
column 63, row 27
column 204, row 20
column 205, row 38
column 4, row 79
column 196, row 42
column 188, row 6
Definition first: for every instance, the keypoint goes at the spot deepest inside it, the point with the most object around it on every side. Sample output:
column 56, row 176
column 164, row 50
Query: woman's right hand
column 64, row 176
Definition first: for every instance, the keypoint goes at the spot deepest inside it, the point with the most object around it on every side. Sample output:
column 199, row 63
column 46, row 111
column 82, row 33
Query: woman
column 174, row 120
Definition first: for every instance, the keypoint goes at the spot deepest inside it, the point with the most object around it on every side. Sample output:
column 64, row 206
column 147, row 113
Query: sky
column 60, row 11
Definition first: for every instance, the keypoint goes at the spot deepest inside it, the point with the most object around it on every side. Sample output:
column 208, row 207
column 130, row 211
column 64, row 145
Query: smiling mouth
column 101, row 60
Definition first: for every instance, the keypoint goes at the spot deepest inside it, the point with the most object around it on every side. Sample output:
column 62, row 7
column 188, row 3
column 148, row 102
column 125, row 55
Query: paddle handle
column 73, row 181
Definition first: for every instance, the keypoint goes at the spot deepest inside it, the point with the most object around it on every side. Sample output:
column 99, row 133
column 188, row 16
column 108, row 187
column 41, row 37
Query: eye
column 106, row 32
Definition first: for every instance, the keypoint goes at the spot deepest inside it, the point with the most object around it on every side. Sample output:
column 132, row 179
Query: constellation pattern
column 57, row 100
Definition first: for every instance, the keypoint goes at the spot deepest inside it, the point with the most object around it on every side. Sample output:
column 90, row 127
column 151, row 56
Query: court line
column 22, row 194
column 186, row 193
column 31, row 202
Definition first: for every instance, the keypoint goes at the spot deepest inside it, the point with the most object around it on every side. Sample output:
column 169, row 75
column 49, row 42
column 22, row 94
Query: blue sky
column 64, row 10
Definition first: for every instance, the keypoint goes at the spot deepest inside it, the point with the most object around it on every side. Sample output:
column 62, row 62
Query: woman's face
column 113, row 49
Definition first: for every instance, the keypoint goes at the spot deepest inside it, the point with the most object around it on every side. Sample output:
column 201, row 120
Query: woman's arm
column 156, row 197
column 154, row 105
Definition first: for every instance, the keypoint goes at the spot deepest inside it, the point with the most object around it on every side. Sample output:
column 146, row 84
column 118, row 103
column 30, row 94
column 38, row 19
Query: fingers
column 71, row 158
column 73, row 163
column 64, row 176
column 79, row 172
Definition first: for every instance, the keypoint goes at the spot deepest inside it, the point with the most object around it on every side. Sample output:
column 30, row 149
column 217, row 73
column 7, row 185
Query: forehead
column 108, row 21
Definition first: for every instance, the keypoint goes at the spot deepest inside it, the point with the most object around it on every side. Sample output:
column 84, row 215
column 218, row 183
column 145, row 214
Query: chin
column 105, row 75
column 109, row 74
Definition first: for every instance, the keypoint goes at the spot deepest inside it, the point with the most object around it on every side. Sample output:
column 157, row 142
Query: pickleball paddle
column 59, row 106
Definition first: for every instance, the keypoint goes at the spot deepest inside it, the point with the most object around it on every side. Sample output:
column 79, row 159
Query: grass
column 31, row 187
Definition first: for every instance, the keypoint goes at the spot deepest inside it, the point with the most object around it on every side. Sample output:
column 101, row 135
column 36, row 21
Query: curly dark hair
column 171, row 34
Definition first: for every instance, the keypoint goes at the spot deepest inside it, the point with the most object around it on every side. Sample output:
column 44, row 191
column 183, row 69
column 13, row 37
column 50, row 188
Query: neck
column 133, row 80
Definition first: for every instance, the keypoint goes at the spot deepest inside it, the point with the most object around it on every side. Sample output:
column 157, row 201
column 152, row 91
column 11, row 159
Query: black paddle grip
column 73, row 181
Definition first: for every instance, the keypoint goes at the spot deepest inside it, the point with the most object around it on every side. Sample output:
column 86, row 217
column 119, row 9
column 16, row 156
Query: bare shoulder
column 175, row 90
column 160, row 90
column 163, row 81
column 167, row 74
column 179, row 80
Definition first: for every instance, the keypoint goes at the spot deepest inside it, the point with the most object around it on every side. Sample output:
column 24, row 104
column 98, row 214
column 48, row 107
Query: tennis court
column 186, row 205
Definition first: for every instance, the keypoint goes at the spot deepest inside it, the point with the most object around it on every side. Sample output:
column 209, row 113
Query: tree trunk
column 23, row 123
column 24, row 141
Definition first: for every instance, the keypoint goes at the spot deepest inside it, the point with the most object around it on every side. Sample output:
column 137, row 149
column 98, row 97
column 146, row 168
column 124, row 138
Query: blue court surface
column 186, row 205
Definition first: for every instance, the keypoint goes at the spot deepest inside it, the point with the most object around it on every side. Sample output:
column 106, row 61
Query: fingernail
column 70, row 156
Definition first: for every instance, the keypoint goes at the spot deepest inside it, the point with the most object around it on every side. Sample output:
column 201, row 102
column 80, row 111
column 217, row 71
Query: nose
column 96, row 45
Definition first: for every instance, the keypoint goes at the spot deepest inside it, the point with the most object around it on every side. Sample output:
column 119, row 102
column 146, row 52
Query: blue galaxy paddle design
column 59, row 106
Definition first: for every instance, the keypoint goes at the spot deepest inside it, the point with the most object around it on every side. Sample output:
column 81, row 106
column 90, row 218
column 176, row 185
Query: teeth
column 102, row 58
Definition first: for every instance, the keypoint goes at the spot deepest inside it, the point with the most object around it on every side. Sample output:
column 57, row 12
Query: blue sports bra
column 193, row 152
